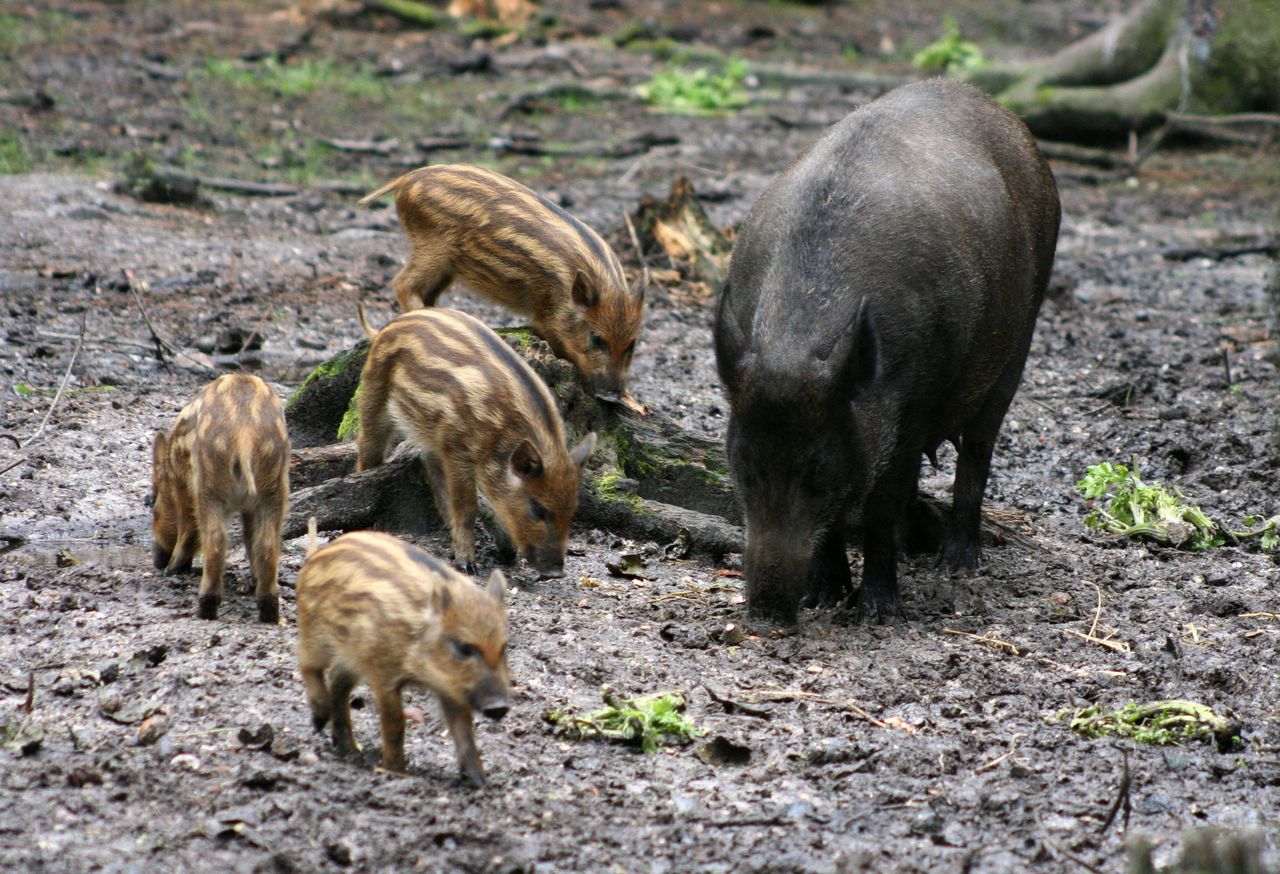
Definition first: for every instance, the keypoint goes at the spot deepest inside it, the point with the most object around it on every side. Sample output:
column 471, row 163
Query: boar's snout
column 495, row 710
column 548, row 562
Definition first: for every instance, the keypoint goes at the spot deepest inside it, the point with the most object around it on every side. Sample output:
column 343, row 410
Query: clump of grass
column 1124, row 504
column 13, row 155
column 301, row 78
column 1160, row 723
column 951, row 53
column 700, row 91
column 642, row 721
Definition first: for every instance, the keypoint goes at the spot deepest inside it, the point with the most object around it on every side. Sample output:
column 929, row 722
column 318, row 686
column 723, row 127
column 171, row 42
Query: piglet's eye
column 596, row 341
column 538, row 512
column 463, row 651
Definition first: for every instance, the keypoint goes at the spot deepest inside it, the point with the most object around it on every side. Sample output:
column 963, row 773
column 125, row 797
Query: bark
column 678, row 227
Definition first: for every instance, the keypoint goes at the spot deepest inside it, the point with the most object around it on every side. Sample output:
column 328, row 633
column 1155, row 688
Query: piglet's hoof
column 269, row 610
column 475, row 779
column 209, row 605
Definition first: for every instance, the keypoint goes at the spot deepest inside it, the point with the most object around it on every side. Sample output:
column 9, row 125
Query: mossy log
column 1162, row 57
column 648, row 478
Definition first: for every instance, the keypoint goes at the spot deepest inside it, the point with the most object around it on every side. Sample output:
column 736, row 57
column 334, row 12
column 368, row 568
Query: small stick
column 818, row 699
column 1226, row 364
column 1114, row 645
column 635, row 241
column 66, row 377
column 988, row 638
column 1122, row 798
column 1261, row 614
column 1097, row 614
column 29, row 704
column 162, row 345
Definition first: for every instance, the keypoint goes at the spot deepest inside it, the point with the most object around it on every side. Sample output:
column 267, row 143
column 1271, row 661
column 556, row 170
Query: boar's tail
column 364, row 323
column 242, row 470
column 373, row 196
column 311, row 536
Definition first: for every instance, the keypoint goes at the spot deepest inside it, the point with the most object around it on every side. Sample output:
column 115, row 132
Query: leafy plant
column 1138, row 509
column 949, row 54
column 1162, row 723
column 641, row 721
column 702, row 90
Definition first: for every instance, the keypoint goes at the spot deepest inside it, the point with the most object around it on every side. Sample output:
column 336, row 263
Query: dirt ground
column 915, row 747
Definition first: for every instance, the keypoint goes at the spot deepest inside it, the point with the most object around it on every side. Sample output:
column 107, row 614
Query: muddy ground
column 903, row 748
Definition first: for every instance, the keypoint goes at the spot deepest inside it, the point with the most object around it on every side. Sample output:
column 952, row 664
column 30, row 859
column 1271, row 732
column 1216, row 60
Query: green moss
column 607, row 489
column 13, row 154
column 1162, row 723
column 526, row 338
column 350, row 424
column 324, row 370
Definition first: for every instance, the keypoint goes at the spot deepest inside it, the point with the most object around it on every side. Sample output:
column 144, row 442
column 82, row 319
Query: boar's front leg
column 459, row 489
column 830, row 582
column 458, row 718
column 878, row 599
column 391, row 719
column 340, row 685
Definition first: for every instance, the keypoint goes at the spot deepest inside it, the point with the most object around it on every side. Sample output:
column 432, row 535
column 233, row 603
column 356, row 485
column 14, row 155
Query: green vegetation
column 1137, row 509
column 13, row 154
column 697, row 92
column 1152, row 512
column 642, row 721
column 1162, row 723
column 28, row 31
column 950, row 54
column 349, row 427
column 300, row 78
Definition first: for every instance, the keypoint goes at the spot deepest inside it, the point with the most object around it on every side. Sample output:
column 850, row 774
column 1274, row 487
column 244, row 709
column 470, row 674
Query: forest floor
column 934, row 744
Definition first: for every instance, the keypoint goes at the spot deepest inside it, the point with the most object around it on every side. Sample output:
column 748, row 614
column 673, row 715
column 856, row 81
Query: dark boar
column 484, row 420
column 881, row 299
column 228, row 452
column 520, row 250
column 372, row 607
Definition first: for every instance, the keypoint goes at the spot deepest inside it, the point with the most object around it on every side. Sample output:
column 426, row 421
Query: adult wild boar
column 881, row 299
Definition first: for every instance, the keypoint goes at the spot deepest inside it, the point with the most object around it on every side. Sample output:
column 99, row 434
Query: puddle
column 69, row 553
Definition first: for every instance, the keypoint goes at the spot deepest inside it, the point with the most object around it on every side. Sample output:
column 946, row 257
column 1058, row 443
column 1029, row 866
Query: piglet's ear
column 441, row 601
column 583, row 450
column 526, row 463
column 497, row 586
column 159, row 447
column 585, row 293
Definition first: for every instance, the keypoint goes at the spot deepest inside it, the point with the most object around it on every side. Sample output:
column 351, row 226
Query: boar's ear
column 585, row 293
column 583, row 450
column 730, row 341
column 638, row 288
column 497, row 586
column 855, row 352
column 526, row 463
column 159, row 447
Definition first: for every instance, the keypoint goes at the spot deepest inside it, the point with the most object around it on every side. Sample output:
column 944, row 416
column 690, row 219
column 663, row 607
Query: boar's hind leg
column 459, row 488
column 318, row 697
column 424, row 278
column 878, row 598
column 340, row 685
column 829, row 579
column 962, row 549
column 262, row 542
column 213, row 543
column 458, row 718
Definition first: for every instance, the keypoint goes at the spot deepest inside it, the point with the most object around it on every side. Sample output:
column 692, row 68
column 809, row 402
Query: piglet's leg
column 312, row 665
column 340, row 686
column 213, row 543
column 460, row 486
column 458, row 718
column 262, row 541
column 184, row 548
column 421, row 282
column 391, row 717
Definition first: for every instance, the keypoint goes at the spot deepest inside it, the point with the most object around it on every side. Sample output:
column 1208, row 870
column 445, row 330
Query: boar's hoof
column 269, row 610
column 319, row 721
column 474, row 777
column 209, row 605
column 159, row 557
column 960, row 557
column 878, row 608
column 829, row 586
column 468, row 567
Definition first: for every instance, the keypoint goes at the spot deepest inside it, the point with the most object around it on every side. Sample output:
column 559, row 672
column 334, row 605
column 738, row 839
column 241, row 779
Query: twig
column 987, row 638
column 95, row 341
column 162, row 345
column 784, row 694
column 66, row 377
column 1097, row 614
column 635, row 241
column 1013, row 748
column 29, row 704
column 1114, row 645
column 1122, row 798
column 1259, row 614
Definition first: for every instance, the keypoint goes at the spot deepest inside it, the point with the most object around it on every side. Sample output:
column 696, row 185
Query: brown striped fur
column 485, row 420
column 515, row 247
column 228, row 452
column 373, row 607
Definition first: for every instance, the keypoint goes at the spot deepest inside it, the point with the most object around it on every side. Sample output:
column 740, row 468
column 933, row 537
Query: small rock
column 308, row 759
column 152, row 729
column 339, row 853
column 732, row 635
column 185, row 761
column 110, row 702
